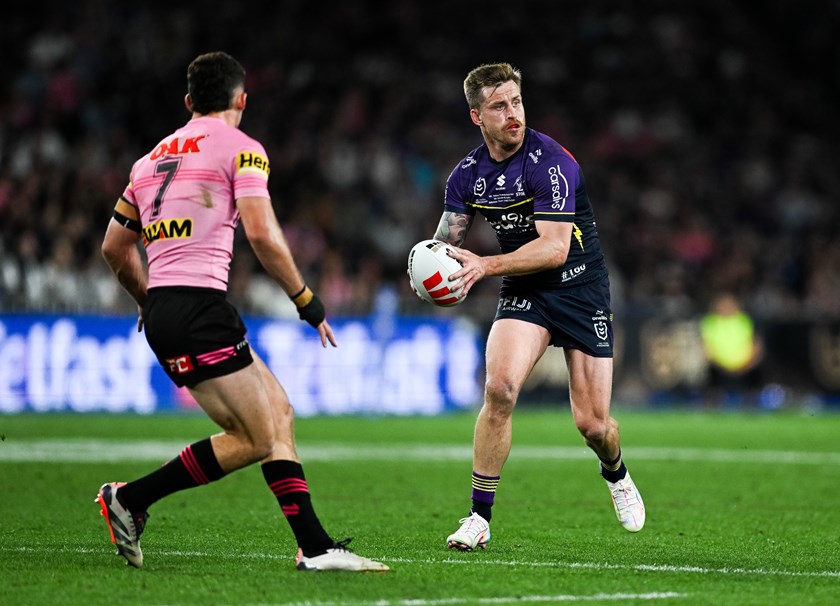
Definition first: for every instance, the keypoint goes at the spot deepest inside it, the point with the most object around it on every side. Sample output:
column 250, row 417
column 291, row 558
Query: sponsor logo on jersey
column 512, row 220
column 175, row 146
column 249, row 162
column 180, row 365
column 535, row 155
column 559, row 188
column 166, row 229
column 468, row 161
column 514, row 304
column 500, row 182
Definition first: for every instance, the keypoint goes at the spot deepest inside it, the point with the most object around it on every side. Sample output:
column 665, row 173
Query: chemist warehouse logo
column 166, row 229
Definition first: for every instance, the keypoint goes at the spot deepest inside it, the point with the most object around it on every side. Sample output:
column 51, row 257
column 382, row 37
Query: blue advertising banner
column 399, row 365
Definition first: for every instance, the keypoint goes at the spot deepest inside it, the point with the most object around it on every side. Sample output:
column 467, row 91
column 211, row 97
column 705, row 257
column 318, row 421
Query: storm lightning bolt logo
column 578, row 235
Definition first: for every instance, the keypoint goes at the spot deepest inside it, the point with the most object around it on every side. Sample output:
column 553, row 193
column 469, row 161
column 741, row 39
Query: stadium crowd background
column 708, row 133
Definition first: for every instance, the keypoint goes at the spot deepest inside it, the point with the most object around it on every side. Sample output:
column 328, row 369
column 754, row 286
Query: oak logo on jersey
column 247, row 162
column 175, row 146
column 166, row 229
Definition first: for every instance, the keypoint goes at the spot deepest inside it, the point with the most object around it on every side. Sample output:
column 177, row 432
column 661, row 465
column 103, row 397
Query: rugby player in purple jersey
column 555, row 289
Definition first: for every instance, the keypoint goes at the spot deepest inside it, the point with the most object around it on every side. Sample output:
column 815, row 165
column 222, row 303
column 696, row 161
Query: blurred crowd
column 708, row 134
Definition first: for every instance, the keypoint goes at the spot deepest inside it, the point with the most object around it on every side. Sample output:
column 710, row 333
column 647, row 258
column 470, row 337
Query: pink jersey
column 185, row 191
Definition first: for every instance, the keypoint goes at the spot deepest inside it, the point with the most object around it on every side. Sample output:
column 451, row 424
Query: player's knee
column 284, row 416
column 592, row 429
column 500, row 396
column 260, row 448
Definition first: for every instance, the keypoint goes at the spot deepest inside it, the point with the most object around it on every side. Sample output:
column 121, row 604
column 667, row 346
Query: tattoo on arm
column 453, row 228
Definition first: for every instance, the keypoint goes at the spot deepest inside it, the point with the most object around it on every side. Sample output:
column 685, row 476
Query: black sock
column 196, row 465
column 614, row 476
column 483, row 494
column 287, row 482
column 485, row 510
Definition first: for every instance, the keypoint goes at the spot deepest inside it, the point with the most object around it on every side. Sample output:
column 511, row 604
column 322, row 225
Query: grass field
column 742, row 509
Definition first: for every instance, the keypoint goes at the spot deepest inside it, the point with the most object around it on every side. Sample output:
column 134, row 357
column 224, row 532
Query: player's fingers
column 326, row 333
column 469, row 272
column 466, row 285
column 459, row 255
column 459, row 274
column 455, row 288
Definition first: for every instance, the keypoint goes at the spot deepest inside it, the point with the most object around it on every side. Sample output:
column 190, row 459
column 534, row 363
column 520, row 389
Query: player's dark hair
column 212, row 80
column 489, row 74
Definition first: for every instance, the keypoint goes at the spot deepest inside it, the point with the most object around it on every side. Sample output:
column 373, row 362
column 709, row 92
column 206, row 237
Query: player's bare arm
column 548, row 251
column 119, row 248
column 269, row 244
column 453, row 228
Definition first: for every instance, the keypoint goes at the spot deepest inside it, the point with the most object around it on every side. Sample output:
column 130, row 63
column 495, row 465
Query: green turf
column 742, row 509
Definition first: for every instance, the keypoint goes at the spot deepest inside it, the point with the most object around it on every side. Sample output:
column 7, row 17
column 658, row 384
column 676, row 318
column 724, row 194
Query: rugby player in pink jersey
column 185, row 199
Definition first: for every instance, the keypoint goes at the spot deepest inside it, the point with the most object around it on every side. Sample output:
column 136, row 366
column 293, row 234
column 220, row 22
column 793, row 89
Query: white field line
column 525, row 599
column 599, row 566
column 84, row 450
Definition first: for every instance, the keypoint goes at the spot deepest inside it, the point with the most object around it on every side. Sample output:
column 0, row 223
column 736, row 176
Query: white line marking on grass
column 83, row 450
column 526, row 599
column 667, row 568
column 636, row 567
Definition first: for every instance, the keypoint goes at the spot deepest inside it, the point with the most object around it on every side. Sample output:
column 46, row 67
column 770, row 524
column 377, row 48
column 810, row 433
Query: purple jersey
column 185, row 191
column 540, row 182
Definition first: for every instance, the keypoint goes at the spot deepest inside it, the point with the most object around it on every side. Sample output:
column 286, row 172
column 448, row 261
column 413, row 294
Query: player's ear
column 476, row 117
column 240, row 101
column 188, row 103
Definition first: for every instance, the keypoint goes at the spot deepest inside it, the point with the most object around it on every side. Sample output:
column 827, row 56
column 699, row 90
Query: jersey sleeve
column 250, row 171
column 555, row 181
column 126, row 211
column 456, row 195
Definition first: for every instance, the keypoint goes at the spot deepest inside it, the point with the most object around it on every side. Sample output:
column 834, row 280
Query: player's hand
column 311, row 310
column 413, row 287
column 473, row 269
column 326, row 333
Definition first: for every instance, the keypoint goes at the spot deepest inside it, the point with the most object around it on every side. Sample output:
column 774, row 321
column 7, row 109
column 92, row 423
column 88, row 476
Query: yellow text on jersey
column 166, row 229
column 248, row 162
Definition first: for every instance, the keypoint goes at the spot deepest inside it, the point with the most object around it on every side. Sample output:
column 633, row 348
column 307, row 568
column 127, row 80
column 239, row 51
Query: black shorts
column 195, row 333
column 576, row 317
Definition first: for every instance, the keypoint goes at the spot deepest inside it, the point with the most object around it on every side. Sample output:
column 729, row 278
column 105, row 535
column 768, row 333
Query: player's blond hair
column 489, row 74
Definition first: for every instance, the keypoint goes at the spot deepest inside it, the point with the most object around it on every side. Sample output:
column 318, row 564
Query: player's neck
column 231, row 117
column 499, row 153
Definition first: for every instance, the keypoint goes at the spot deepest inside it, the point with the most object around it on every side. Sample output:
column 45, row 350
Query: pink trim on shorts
column 214, row 357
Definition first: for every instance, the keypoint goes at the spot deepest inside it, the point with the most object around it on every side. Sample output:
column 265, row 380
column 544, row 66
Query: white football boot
column 474, row 533
column 629, row 507
column 338, row 557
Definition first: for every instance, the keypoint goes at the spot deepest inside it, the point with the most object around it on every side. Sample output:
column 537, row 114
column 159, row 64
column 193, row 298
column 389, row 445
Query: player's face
column 502, row 117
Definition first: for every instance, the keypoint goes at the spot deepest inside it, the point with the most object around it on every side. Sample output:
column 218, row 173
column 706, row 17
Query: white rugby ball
column 429, row 268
